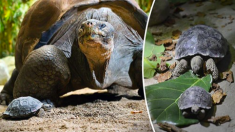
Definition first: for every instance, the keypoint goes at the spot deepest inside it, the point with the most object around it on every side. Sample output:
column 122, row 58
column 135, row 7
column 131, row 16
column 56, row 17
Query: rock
column 4, row 74
column 160, row 12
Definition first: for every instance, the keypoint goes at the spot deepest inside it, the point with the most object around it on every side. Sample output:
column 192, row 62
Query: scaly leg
column 44, row 75
column 180, row 68
column 211, row 67
column 196, row 63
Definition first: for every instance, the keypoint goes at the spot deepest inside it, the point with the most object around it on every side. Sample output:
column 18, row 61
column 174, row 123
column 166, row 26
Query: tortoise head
column 95, row 39
column 195, row 109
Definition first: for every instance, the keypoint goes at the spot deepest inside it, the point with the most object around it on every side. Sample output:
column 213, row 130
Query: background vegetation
column 12, row 13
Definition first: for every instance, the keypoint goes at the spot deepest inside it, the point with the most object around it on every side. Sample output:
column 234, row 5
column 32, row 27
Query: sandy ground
column 212, row 16
column 88, row 110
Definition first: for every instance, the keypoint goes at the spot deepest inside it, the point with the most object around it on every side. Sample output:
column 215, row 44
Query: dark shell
column 195, row 96
column 202, row 40
column 23, row 107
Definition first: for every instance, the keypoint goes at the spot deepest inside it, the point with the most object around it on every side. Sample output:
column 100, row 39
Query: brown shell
column 44, row 13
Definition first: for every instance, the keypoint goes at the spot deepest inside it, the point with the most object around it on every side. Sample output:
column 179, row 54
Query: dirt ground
column 88, row 111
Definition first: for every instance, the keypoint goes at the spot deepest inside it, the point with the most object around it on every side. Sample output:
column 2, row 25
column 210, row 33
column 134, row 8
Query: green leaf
column 149, row 68
column 163, row 98
column 150, row 48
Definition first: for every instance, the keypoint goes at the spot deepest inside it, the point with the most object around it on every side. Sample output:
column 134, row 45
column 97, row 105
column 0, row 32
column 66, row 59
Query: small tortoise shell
column 23, row 107
column 195, row 96
column 202, row 40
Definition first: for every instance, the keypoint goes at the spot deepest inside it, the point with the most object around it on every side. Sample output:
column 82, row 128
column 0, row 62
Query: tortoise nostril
column 89, row 23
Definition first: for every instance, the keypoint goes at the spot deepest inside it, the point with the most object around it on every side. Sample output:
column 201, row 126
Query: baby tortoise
column 25, row 107
column 195, row 100
column 197, row 45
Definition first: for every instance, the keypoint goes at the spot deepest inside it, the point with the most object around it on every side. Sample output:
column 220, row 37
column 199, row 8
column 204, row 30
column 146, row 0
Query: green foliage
column 145, row 4
column 163, row 98
column 149, row 68
column 150, row 50
column 11, row 12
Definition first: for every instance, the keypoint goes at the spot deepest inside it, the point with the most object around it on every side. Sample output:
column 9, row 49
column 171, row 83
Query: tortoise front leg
column 7, row 92
column 44, row 75
column 180, row 68
column 211, row 67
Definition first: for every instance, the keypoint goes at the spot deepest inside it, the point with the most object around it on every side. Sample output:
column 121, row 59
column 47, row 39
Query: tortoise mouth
column 91, row 33
column 94, row 41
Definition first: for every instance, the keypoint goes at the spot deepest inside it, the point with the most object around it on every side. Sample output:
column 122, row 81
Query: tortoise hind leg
column 7, row 92
column 44, row 75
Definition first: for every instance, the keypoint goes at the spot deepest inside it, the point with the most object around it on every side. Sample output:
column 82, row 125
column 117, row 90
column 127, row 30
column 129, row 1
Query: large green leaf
column 163, row 98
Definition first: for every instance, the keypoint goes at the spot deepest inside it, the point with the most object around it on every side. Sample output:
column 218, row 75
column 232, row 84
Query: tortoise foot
column 141, row 92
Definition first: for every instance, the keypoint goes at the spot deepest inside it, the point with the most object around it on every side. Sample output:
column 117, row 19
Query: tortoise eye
column 102, row 26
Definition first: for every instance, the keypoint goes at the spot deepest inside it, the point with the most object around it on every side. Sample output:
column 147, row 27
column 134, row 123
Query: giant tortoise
column 65, row 45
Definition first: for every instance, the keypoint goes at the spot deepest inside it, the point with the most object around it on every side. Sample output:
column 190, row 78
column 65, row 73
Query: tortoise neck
column 98, row 68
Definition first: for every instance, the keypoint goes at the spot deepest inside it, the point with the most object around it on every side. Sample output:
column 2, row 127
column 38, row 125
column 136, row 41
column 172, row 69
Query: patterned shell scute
column 195, row 96
column 23, row 107
column 203, row 40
